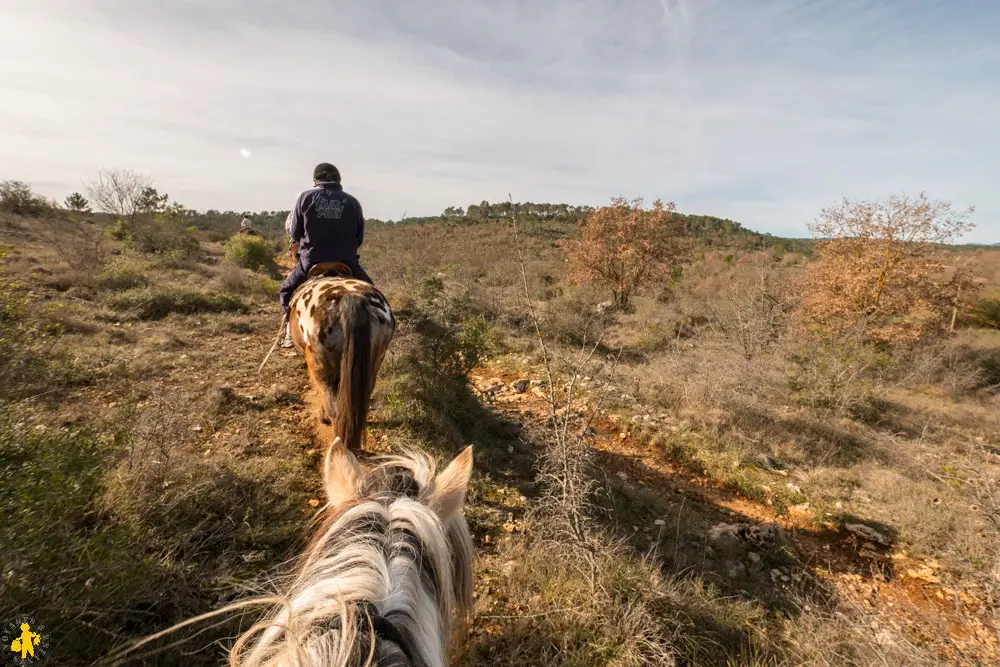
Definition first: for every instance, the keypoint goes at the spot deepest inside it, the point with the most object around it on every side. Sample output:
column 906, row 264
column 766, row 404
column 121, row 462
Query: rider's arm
column 361, row 223
column 297, row 227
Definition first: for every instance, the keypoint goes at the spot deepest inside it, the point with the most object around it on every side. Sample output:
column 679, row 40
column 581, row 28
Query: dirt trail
column 903, row 593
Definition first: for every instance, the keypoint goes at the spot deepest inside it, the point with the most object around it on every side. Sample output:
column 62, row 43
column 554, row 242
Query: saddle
column 330, row 270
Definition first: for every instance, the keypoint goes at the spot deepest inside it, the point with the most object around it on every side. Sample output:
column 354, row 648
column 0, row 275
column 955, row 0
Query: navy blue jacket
column 328, row 225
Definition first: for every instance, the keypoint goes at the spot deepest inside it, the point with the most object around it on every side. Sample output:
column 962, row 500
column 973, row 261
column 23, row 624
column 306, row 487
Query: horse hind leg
column 329, row 396
column 324, row 381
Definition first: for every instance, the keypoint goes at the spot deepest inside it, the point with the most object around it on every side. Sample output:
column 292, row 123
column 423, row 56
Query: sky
column 763, row 112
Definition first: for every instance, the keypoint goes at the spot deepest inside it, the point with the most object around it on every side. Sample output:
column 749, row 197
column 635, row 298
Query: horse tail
column 355, row 371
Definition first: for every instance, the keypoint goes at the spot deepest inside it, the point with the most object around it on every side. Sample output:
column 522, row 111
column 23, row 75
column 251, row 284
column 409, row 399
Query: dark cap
column 325, row 171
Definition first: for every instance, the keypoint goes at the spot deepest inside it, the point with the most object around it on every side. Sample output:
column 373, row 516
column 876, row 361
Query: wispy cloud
column 763, row 111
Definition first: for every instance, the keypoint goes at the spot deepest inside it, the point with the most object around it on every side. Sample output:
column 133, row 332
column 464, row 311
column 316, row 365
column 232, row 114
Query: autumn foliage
column 880, row 274
column 626, row 245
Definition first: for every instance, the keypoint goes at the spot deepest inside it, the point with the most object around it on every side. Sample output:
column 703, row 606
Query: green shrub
column 986, row 313
column 156, row 233
column 268, row 286
column 235, row 280
column 477, row 339
column 426, row 387
column 154, row 303
column 18, row 198
column 250, row 252
column 123, row 274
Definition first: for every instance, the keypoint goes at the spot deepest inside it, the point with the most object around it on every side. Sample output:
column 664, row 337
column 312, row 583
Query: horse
column 343, row 327
column 385, row 581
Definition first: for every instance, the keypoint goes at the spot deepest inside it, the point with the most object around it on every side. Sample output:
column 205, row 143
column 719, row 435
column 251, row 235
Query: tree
column 77, row 202
column 120, row 193
column 151, row 201
column 626, row 245
column 17, row 197
column 879, row 272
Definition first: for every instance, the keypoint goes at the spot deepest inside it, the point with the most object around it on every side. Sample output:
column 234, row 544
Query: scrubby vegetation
column 18, row 198
column 250, row 252
column 707, row 476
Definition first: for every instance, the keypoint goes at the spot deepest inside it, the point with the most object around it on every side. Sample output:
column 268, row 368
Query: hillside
column 747, row 499
column 560, row 219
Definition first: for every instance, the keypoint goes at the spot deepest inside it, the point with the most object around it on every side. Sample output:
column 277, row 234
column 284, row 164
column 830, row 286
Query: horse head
column 385, row 578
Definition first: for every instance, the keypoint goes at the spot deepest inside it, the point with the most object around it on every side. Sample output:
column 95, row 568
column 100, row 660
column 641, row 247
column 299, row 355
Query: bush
column 477, row 339
column 17, row 197
column 426, row 386
column 162, row 234
column 154, row 303
column 235, row 280
column 123, row 274
column 156, row 233
column 986, row 313
column 572, row 319
column 250, row 252
column 12, row 303
column 841, row 377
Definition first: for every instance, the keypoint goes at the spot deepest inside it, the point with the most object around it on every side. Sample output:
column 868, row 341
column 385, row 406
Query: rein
column 382, row 627
column 281, row 331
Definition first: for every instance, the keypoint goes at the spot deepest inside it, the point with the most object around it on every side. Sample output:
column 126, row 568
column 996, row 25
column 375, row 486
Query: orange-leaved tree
column 626, row 245
column 881, row 273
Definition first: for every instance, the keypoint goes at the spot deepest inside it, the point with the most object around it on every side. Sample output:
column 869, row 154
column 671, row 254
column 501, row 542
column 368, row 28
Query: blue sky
column 764, row 111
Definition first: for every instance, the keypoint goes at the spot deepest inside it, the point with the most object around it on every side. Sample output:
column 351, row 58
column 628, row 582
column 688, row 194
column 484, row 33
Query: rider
column 327, row 225
column 246, row 227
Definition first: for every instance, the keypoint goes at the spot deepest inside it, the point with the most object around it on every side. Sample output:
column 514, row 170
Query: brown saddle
column 330, row 269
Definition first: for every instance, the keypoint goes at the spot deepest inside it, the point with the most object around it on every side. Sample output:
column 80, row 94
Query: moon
column 244, row 152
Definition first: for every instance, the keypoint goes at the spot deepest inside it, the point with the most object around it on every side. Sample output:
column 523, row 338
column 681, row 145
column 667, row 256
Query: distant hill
column 563, row 219
column 560, row 222
column 979, row 245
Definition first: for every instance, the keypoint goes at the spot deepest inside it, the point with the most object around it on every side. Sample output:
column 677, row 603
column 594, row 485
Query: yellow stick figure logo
column 26, row 639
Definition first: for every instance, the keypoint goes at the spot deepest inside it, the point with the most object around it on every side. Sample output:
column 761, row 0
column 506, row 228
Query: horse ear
column 341, row 474
column 450, row 486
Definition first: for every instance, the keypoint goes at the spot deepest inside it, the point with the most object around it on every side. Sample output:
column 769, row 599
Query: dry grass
column 175, row 478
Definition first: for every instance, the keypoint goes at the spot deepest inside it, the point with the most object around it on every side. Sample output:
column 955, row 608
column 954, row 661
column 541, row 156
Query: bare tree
column 752, row 308
column 121, row 193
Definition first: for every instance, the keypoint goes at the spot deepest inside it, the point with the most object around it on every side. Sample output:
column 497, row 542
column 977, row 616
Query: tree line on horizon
column 18, row 197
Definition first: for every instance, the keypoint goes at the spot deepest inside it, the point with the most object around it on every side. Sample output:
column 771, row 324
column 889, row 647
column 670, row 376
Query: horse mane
column 386, row 550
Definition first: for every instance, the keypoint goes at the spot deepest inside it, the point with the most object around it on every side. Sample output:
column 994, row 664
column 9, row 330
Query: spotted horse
column 343, row 327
